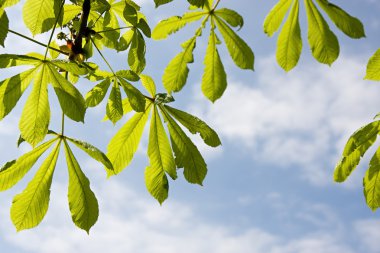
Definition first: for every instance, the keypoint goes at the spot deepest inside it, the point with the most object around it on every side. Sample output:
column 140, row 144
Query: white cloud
column 369, row 234
column 301, row 118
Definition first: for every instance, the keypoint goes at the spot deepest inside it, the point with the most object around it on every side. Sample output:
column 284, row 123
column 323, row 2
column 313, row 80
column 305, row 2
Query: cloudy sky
column 269, row 187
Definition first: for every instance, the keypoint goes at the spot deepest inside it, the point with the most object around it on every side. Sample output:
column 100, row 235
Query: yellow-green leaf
column 275, row 17
column 114, row 109
column 373, row 67
column 97, row 94
column 231, row 17
column 289, row 43
column 157, row 183
column 29, row 207
column 148, row 84
column 371, row 182
column 4, row 26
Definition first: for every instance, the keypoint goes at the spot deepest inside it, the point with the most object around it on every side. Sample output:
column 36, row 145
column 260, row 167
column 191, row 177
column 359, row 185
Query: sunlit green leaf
column 70, row 99
column 35, row 116
column 128, row 74
column 157, row 183
column 82, row 201
column 371, row 182
column 11, row 60
column 124, row 143
column 4, row 26
column 214, row 80
column 174, row 24
column 240, row 52
column 14, row 171
column 198, row 3
column 195, row 125
column 136, row 55
column 114, row 109
column 148, row 84
column 71, row 67
column 29, row 207
column 161, row 2
column 323, row 42
column 355, row 148
column 176, row 72
column 136, row 98
column 11, row 90
column 187, row 155
column 289, row 44
column 159, row 150
column 351, row 26
column 373, row 67
column 231, row 17
column 97, row 94
column 40, row 15
column 275, row 17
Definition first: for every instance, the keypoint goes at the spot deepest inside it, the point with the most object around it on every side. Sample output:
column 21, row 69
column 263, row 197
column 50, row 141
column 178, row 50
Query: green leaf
column 231, row 17
column 4, row 26
column 54, row 54
column 93, row 152
column 125, row 40
column 371, row 182
column 11, row 90
column 373, row 67
column 355, row 148
column 198, row 3
column 8, row 3
column 240, row 52
column 214, row 80
column 11, row 60
column 70, row 11
column 144, row 27
column 72, row 67
column 70, row 99
column 275, row 17
column 82, row 201
column 29, row 207
column 159, row 150
column 324, row 44
column 35, row 116
column 110, row 36
column 12, row 172
column 161, row 2
column 174, row 24
column 114, row 108
column 130, row 14
column 289, row 43
column 176, row 72
column 187, row 155
column 136, row 55
column 157, row 183
column 40, row 15
column 97, row 94
column 195, row 125
column 351, row 26
column 128, row 74
column 124, row 143
column 148, row 84
column 136, row 98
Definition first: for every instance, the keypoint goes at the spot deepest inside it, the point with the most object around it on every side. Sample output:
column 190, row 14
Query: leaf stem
column 63, row 115
column 37, row 42
column 105, row 60
column 55, row 25
column 216, row 5
column 115, row 29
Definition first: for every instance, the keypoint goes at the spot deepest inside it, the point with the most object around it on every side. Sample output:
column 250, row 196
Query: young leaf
column 195, row 125
column 35, row 116
column 214, row 80
column 289, row 43
column 114, row 108
column 157, row 183
column 371, row 182
column 174, row 24
column 373, row 67
column 176, row 72
column 136, row 98
column 124, row 143
column 11, row 90
column 231, row 17
column 148, row 84
column 97, row 94
column 187, row 155
column 14, row 171
column 70, row 99
column 324, row 44
column 82, row 201
column 240, row 52
column 94, row 152
column 355, row 148
column 29, row 207
column 159, row 151
column 351, row 26
column 40, row 15
column 4, row 25
column 275, row 17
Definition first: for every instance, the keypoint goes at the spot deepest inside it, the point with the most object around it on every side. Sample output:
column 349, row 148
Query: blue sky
column 269, row 187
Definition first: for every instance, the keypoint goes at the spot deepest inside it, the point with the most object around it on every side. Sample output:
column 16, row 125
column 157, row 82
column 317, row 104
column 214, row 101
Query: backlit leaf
column 4, row 26
column 148, row 84
column 373, row 67
column 40, row 15
column 371, row 182
column 97, row 94
column 275, row 17
column 114, row 108
column 136, row 98
column 231, row 17
column 157, row 183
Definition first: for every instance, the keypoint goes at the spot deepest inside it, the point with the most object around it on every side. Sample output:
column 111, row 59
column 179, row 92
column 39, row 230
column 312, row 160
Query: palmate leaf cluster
column 84, row 28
